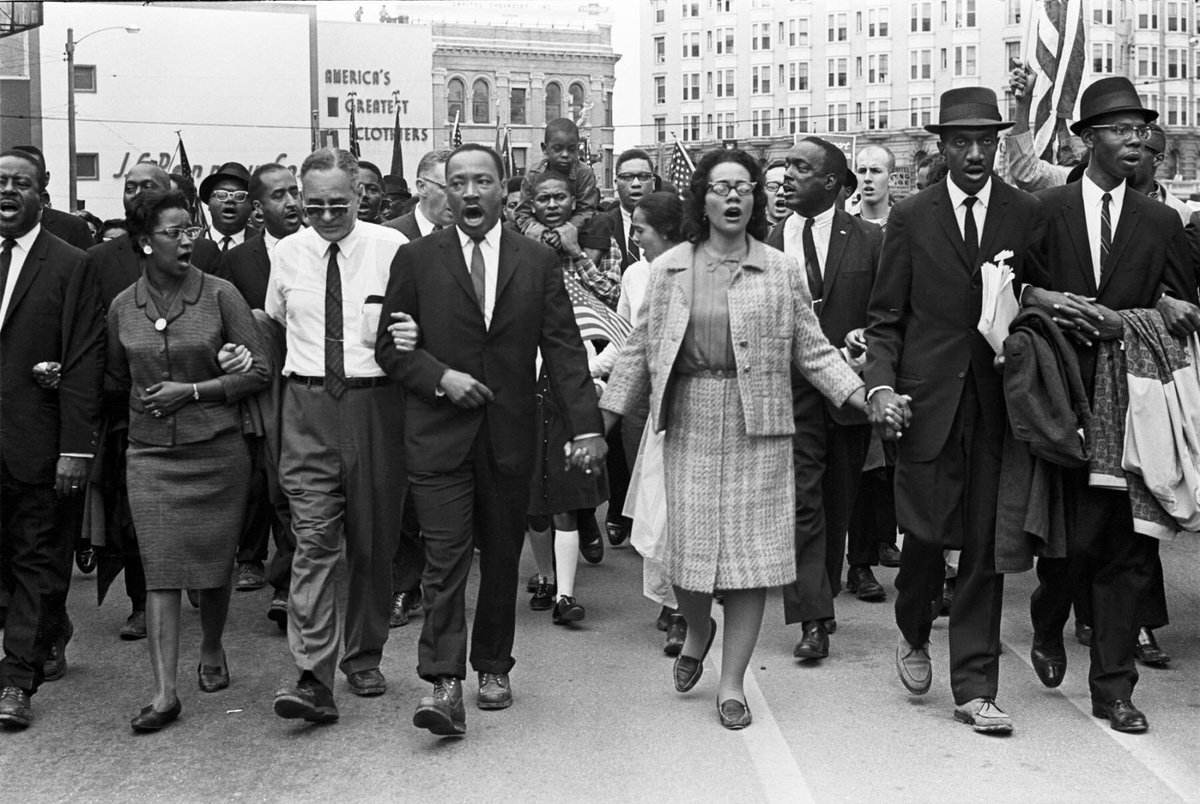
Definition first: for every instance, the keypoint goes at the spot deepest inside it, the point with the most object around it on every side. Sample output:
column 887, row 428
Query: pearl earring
column 147, row 250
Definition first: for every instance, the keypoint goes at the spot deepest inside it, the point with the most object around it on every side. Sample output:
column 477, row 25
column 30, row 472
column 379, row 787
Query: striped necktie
column 1105, row 231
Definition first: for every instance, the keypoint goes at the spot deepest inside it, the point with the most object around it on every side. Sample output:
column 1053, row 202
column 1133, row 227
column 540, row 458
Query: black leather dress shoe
column 495, row 691
column 861, row 582
column 151, row 720
column 1122, row 716
column 308, row 700
column 617, row 532
column 403, row 605
column 367, row 683
column 591, row 540
column 567, row 610
column 544, row 594
column 1049, row 658
column 889, row 555
column 664, row 618
column 687, row 671
column 676, row 635
column 814, row 644
column 1083, row 634
column 15, row 710
column 443, row 713
column 277, row 611
column 734, row 714
column 213, row 678
column 1147, row 650
column 134, row 627
column 56, row 664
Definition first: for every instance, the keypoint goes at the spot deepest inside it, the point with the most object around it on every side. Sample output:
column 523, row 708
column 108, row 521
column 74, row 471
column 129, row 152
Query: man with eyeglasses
column 1107, row 248
column 227, row 195
column 341, row 461
column 635, row 180
column 431, row 212
column 777, row 208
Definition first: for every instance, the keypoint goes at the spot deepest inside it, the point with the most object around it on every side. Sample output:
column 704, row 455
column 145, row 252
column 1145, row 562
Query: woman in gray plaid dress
column 724, row 319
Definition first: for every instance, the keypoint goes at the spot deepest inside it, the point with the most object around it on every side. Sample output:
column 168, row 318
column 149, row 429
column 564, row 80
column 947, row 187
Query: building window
column 660, row 129
column 691, row 8
column 760, row 80
column 798, row 76
column 760, row 123
column 920, row 113
column 660, row 11
column 1102, row 11
column 1177, row 18
column 725, row 81
column 691, row 127
column 691, row 86
column 802, row 120
column 798, row 33
column 334, row 109
column 691, row 45
column 608, row 109
column 725, row 40
column 964, row 60
column 920, row 65
column 837, row 28
column 456, row 93
column 837, row 73
column 519, row 163
column 660, row 50
column 85, row 78
column 708, row 126
column 1147, row 66
column 87, row 167
column 877, row 69
column 837, row 117
column 1147, row 15
column 760, row 36
column 575, row 92
column 516, row 106
column 1177, row 63
column 554, row 101
column 1013, row 15
column 725, row 126
column 921, row 18
column 964, row 13
column 481, row 101
column 660, row 89
column 877, row 22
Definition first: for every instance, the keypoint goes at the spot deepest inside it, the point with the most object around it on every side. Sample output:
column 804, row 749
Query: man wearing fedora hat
column 1107, row 248
column 396, row 189
column 924, row 345
column 227, row 195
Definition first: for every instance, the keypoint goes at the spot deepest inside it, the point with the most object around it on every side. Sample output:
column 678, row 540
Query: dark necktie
column 971, row 232
column 635, row 253
column 478, row 272
column 225, row 241
column 1105, row 231
column 335, row 364
column 5, row 262
column 812, row 264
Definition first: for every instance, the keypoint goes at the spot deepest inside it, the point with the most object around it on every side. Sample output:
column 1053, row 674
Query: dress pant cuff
column 433, row 672
column 493, row 666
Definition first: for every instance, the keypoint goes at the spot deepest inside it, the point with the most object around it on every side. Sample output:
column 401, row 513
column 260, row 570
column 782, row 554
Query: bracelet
column 195, row 392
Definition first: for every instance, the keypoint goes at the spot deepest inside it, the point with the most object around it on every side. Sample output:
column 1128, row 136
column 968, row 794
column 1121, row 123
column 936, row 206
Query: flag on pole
column 506, row 155
column 680, row 170
column 354, row 149
column 397, row 150
column 185, row 166
column 1054, row 51
column 455, row 132
column 596, row 321
column 499, row 135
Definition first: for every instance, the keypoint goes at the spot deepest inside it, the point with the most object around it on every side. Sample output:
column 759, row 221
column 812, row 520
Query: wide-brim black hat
column 395, row 184
column 1107, row 96
column 230, row 170
column 968, row 107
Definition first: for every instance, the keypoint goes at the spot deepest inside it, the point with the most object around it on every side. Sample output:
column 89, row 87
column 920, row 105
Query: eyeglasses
column 236, row 196
column 629, row 177
column 773, row 186
column 432, row 181
column 742, row 188
column 318, row 211
column 173, row 232
column 1123, row 130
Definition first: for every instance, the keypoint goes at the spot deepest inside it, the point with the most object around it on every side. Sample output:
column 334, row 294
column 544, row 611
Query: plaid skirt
column 730, row 497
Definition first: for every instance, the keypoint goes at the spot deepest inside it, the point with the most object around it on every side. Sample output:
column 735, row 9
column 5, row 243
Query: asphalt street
column 597, row 719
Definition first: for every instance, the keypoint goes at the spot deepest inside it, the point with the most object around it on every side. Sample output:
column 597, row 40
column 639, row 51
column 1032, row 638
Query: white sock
column 566, row 558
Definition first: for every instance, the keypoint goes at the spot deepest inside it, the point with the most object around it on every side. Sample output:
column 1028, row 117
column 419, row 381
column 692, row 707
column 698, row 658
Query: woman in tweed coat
column 188, row 466
column 724, row 319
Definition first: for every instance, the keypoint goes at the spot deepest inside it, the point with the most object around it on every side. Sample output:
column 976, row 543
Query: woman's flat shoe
column 734, row 714
column 689, row 670
column 150, row 720
column 213, row 678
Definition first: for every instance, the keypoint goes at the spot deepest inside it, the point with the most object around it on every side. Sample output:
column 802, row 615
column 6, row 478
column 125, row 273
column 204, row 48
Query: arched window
column 456, row 91
column 481, row 101
column 553, row 101
column 576, row 93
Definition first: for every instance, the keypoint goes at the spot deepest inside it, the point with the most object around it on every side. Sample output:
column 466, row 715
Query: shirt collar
column 269, row 240
column 957, row 194
column 820, row 220
column 492, row 238
column 424, row 225
column 1092, row 193
column 25, row 241
column 347, row 244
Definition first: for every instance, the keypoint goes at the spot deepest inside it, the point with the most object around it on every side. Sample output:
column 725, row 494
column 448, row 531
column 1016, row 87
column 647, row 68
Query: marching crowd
column 763, row 380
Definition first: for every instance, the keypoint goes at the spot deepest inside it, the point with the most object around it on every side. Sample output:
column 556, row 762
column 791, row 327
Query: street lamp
column 71, row 42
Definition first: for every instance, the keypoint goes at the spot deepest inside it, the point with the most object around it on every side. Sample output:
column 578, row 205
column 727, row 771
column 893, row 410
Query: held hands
column 889, row 413
column 1079, row 317
column 405, row 332
column 464, row 390
column 70, row 475
column 586, row 453
column 234, row 359
column 164, row 398
column 856, row 342
column 1182, row 318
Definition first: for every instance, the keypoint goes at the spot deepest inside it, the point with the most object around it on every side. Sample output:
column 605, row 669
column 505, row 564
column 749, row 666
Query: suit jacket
column 118, row 263
column 248, row 266
column 847, row 278
column 922, row 338
column 1149, row 253
column 772, row 325
column 613, row 224
column 71, row 229
column 406, row 224
column 54, row 315
column 431, row 282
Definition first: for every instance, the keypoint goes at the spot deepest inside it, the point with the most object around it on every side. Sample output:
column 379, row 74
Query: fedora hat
column 396, row 184
column 230, row 170
column 968, row 107
column 1106, row 96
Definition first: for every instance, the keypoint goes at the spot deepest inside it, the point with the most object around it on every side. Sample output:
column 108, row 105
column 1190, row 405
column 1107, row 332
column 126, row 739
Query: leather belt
column 351, row 382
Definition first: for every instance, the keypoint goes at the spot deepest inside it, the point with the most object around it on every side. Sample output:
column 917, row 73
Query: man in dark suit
column 840, row 255
column 275, row 194
column 50, row 312
column 227, row 195
column 431, row 212
column 69, row 228
column 470, row 416
column 1107, row 248
column 923, row 343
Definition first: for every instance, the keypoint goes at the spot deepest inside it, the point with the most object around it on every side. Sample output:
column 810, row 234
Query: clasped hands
column 889, row 413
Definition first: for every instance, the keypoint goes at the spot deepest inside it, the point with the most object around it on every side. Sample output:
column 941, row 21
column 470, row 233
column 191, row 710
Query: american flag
column 680, row 170
column 354, row 149
column 510, row 167
column 596, row 321
column 197, row 209
column 455, row 132
column 1054, row 51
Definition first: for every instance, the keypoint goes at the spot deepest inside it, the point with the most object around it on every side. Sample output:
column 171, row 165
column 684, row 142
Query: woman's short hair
column 695, row 222
column 149, row 205
column 664, row 213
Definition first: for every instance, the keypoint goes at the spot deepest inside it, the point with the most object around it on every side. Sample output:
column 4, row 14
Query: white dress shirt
column 270, row 241
column 424, row 225
column 979, row 210
column 19, row 252
column 1093, row 202
column 490, row 248
column 296, row 296
column 793, row 236
column 235, row 239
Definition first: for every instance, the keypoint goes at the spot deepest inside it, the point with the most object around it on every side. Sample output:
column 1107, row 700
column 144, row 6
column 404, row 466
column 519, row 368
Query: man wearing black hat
column 1107, row 248
column 396, row 189
column 227, row 194
column 924, row 345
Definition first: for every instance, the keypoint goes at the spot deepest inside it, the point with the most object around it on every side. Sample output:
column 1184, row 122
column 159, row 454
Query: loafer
column 664, row 618
column 213, row 678
column 134, row 627
column 914, row 667
column 1122, row 716
column 250, row 576
column 544, row 594
column 403, row 605
column 591, row 541
column 442, row 713
column 367, row 683
column 277, row 611
column 687, row 671
column 617, row 532
column 984, row 716
column 861, row 581
column 86, row 560
column 889, row 555
column 150, row 719
column 15, row 709
column 734, row 714
column 494, row 691
column 676, row 634
column 947, row 598
column 56, row 664
column 308, row 700
column 1083, row 634
column 1049, row 658
column 532, row 584
column 567, row 610
column 814, row 642
column 1147, row 650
